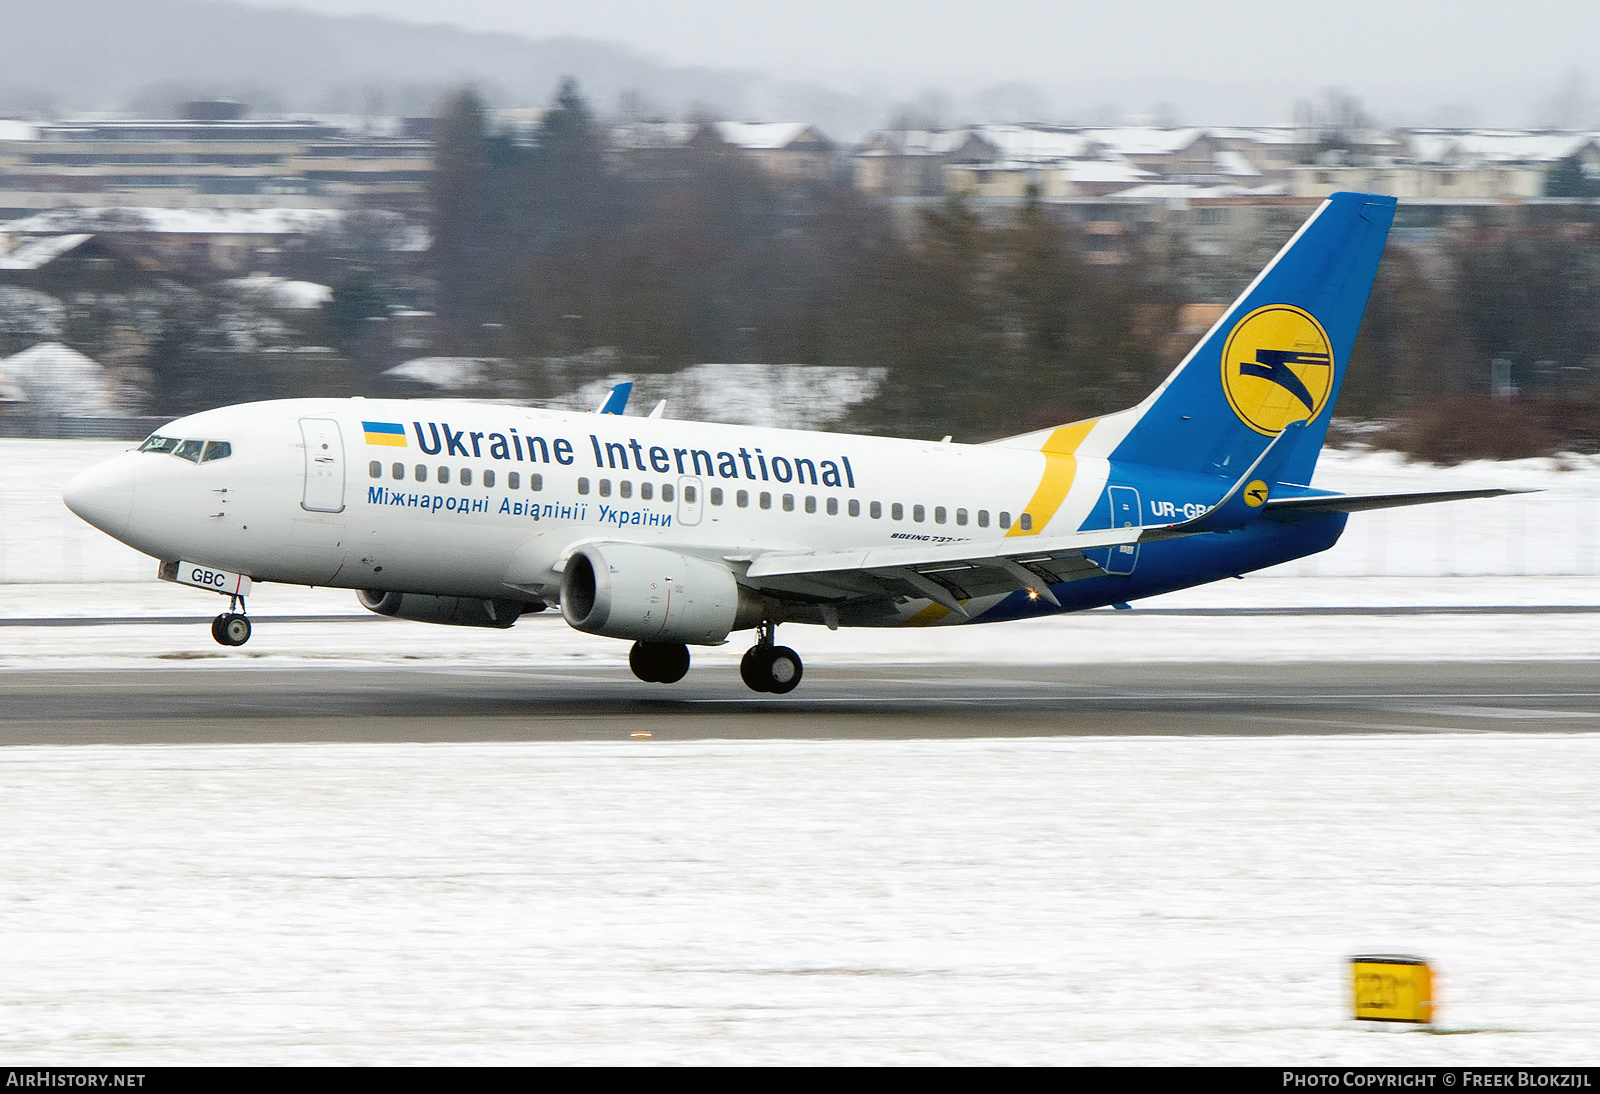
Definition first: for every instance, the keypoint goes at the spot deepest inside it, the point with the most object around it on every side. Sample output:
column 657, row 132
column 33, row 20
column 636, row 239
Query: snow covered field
column 1089, row 901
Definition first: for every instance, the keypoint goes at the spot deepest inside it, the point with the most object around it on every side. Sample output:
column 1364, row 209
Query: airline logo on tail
column 1277, row 368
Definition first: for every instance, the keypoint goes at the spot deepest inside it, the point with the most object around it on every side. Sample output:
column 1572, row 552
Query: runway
column 230, row 702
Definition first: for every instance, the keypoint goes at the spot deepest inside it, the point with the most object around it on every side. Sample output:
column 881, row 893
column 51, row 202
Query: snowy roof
column 1107, row 170
column 18, row 131
column 766, row 135
column 57, row 379
column 446, row 373
column 916, row 142
column 1157, row 191
column 1492, row 145
column 281, row 292
column 177, row 221
column 42, row 252
column 1266, row 134
column 1235, row 163
column 1020, row 142
column 1145, row 140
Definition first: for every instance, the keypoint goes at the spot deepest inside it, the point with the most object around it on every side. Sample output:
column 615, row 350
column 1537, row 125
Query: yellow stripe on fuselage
column 1060, row 467
column 395, row 440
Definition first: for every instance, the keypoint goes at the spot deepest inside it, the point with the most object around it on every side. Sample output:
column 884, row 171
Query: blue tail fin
column 1277, row 356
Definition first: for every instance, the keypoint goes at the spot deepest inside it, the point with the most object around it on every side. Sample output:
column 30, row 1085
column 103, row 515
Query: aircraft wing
column 945, row 573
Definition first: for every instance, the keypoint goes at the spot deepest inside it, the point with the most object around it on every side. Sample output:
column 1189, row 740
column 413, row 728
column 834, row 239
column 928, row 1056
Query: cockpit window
column 193, row 451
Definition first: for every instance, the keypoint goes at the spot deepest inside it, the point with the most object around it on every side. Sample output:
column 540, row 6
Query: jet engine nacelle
column 624, row 590
column 455, row 611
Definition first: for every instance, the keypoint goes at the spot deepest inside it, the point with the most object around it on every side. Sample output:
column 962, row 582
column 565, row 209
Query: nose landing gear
column 232, row 628
column 770, row 668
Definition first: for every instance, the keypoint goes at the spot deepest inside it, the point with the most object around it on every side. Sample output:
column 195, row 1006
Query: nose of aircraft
column 103, row 495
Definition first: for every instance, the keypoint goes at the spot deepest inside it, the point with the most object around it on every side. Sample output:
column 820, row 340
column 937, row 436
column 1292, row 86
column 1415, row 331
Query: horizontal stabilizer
column 1360, row 503
column 1244, row 503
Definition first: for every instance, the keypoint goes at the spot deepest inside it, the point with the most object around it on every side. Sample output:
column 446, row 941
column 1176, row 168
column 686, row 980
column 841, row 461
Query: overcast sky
column 1487, row 62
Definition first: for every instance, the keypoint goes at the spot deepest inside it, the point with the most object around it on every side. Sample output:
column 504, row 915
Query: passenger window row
column 624, row 488
column 442, row 474
column 647, row 490
column 193, row 451
column 897, row 511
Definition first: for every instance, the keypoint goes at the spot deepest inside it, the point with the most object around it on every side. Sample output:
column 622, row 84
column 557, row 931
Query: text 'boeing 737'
column 672, row 534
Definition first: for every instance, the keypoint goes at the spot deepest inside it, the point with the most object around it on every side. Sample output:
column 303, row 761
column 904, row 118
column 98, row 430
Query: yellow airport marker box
column 1392, row 988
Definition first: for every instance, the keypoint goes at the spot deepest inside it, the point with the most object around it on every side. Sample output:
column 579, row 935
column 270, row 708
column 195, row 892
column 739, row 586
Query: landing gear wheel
column 659, row 662
column 752, row 668
column 783, row 670
column 231, row 629
column 772, row 669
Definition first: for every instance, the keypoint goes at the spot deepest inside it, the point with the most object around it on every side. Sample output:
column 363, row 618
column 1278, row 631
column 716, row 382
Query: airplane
column 671, row 534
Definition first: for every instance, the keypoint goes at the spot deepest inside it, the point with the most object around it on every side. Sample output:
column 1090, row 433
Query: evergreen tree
column 464, row 244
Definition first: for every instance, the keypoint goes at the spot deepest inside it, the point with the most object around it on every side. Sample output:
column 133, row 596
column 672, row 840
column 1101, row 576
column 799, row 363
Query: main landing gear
column 768, row 667
column 659, row 662
column 232, row 628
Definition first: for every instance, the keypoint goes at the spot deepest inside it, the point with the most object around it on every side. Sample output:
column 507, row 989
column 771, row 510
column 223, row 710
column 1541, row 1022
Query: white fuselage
column 479, row 500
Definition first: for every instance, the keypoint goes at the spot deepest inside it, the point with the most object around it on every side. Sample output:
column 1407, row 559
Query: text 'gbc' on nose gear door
column 324, row 446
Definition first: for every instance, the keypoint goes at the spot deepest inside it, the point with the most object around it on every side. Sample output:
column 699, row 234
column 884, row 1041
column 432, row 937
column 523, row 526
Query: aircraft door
column 324, row 492
column 690, row 500
column 1124, row 514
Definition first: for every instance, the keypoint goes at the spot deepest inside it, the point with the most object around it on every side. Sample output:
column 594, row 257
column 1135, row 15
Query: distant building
column 1009, row 162
column 1452, row 165
column 909, row 163
column 218, row 161
column 72, row 260
column 209, row 242
column 791, row 151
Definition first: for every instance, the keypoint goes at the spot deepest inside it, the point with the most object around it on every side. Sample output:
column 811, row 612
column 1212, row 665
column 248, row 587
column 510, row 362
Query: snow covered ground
column 1086, row 901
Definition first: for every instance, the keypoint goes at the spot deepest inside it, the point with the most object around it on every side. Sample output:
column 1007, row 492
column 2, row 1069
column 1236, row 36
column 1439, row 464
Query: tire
column 233, row 629
column 659, row 662
column 642, row 662
column 752, row 669
column 672, row 662
column 216, row 630
column 783, row 670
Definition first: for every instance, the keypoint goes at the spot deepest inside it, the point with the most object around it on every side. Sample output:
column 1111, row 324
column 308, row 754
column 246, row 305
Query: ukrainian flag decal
column 389, row 433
